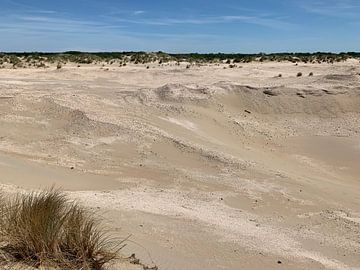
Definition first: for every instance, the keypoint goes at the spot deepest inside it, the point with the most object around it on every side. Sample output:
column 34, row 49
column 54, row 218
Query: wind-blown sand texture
column 206, row 168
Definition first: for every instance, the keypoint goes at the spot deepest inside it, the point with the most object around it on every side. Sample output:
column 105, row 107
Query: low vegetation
column 23, row 60
column 46, row 230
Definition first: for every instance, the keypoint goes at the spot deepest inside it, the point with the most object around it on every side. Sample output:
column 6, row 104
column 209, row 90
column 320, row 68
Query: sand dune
column 206, row 168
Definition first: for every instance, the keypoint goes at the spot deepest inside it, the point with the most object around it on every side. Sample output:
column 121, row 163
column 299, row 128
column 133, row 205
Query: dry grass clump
column 299, row 74
column 45, row 229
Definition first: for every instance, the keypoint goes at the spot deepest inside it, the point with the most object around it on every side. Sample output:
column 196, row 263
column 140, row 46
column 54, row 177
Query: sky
column 204, row 26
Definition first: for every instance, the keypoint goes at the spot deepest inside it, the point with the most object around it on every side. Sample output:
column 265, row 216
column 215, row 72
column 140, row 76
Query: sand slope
column 207, row 168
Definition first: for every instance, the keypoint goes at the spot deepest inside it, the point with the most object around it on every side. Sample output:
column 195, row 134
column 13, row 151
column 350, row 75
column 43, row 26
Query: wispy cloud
column 27, row 8
column 260, row 21
column 138, row 12
column 30, row 25
column 334, row 8
column 45, row 24
column 40, row 11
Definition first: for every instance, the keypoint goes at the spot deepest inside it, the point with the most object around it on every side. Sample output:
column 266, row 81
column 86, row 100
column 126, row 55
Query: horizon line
column 160, row 51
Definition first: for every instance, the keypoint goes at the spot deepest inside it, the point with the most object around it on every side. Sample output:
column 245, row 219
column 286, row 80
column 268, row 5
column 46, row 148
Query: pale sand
column 206, row 168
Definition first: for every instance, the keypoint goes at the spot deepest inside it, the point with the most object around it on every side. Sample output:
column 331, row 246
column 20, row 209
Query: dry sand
column 206, row 168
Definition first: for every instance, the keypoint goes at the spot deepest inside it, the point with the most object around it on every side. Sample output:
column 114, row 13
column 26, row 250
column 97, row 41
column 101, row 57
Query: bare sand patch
column 208, row 168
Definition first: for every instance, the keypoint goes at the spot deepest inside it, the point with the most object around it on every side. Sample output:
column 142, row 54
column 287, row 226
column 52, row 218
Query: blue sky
column 245, row 26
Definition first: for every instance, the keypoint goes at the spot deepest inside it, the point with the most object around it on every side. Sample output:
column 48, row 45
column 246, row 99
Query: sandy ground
column 206, row 168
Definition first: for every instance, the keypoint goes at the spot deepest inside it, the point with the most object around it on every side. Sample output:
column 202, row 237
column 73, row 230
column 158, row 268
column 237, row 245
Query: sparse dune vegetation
column 23, row 60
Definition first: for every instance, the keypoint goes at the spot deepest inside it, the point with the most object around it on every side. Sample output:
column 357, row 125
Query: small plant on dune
column 311, row 74
column 299, row 74
column 59, row 66
column 41, row 65
column 46, row 230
